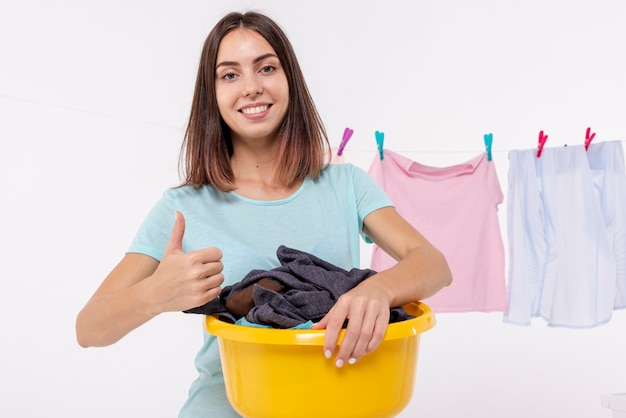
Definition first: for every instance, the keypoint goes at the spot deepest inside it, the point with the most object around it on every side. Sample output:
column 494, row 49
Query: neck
column 253, row 167
column 254, row 177
column 254, row 159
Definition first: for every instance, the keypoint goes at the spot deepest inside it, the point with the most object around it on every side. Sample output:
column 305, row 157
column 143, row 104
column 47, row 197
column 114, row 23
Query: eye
column 229, row 76
column 268, row 69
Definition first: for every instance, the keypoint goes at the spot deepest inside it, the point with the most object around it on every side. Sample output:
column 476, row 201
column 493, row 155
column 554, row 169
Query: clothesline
column 90, row 112
column 488, row 145
column 347, row 151
column 415, row 151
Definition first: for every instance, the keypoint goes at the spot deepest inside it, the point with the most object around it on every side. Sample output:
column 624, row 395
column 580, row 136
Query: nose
column 252, row 87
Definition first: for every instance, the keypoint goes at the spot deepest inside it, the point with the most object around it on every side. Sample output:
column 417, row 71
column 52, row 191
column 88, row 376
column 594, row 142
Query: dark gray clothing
column 310, row 287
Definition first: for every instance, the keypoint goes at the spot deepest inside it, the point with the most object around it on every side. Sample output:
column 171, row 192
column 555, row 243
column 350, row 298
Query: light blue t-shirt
column 323, row 217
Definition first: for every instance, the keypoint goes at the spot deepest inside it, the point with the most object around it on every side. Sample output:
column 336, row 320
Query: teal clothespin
column 488, row 143
column 380, row 140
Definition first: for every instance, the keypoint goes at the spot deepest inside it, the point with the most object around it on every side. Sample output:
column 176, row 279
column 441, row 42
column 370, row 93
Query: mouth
column 254, row 110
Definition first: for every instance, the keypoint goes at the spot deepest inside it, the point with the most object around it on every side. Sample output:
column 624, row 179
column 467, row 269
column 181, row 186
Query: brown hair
column 207, row 146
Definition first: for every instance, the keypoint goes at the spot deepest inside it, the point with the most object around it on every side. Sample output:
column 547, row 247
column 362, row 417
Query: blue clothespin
column 488, row 143
column 347, row 133
column 380, row 140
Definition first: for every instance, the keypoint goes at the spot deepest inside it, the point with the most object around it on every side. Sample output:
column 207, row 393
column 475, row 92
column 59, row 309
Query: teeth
column 254, row 110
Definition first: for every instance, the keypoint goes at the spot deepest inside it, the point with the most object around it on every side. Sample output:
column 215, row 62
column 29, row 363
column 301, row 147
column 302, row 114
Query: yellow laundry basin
column 276, row 373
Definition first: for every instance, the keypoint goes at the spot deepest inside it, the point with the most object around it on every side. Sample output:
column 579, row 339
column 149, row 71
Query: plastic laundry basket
column 278, row 373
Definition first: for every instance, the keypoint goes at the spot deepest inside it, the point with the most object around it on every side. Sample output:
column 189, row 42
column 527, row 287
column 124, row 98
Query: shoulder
column 351, row 175
column 342, row 172
column 184, row 193
column 351, row 180
column 187, row 199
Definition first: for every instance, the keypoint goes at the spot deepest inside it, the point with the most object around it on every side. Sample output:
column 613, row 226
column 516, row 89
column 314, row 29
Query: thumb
column 176, row 238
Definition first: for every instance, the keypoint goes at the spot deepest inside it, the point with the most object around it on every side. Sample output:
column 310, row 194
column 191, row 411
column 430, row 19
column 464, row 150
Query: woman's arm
column 139, row 288
column 118, row 306
column 421, row 272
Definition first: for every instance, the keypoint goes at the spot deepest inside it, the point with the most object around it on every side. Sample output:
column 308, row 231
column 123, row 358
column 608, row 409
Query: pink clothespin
column 588, row 138
column 347, row 134
column 542, row 141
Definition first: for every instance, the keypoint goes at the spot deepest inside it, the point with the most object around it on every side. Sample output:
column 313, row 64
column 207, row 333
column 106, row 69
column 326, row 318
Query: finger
column 213, row 273
column 206, row 289
column 201, row 272
column 328, row 349
column 350, row 338
column 210, row 256
column 213, row 284
column 366, row 333
column 175, row 243
column 379, row 333
column 321, row 324
column 333, row 323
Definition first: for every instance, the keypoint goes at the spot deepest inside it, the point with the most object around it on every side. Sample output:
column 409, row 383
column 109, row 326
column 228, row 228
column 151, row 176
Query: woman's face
column 250, row 85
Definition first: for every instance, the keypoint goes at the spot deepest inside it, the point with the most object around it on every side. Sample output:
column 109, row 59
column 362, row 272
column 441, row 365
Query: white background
column 94, row 98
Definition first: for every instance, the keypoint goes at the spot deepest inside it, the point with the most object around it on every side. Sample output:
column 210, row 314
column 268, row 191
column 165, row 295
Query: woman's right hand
column 184, row 280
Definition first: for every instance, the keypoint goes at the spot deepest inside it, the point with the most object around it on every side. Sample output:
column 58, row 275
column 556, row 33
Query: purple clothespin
column 347, row 134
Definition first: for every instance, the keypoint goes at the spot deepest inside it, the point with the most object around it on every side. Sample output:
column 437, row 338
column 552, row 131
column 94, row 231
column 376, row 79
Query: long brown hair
column 207, row 146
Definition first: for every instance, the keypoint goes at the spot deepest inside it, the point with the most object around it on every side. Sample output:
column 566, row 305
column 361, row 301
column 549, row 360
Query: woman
column 256, row 178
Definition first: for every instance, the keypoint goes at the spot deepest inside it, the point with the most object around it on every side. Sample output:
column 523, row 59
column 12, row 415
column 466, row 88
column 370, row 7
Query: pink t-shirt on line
column 455, row 208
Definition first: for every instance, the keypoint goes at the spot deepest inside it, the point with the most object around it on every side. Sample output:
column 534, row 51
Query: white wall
column 93, row 103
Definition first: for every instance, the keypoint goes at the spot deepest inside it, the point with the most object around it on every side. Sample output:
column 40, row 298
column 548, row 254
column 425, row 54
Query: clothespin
column 542, row 140
column 488, row 143
column 380, row 140
column 347, row 134
column 588, row 138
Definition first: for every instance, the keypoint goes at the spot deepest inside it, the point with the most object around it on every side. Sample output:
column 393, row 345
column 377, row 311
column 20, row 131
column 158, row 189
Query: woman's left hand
column 366, row 308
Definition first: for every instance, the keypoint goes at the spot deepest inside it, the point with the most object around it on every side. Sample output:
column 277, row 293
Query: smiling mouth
column 255, row 110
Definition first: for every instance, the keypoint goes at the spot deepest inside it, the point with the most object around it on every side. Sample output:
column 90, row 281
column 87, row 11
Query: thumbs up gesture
column 185, row 280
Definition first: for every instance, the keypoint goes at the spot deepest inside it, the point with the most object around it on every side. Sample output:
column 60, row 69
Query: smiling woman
column 255, row 149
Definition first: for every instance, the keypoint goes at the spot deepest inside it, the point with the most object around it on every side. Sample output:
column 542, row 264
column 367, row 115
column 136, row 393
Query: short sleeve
column 370, row 196
column 153, row 234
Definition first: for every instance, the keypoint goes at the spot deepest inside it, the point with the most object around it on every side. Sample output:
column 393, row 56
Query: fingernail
column 352, row 360
column 328, row 354
column 339, row 363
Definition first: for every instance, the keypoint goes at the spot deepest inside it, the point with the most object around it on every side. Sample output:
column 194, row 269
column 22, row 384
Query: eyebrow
column 236, row 64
